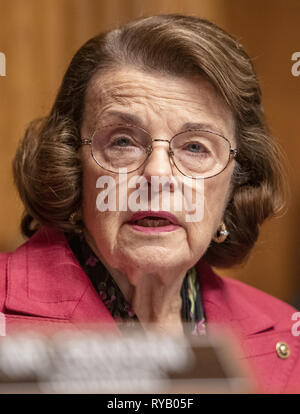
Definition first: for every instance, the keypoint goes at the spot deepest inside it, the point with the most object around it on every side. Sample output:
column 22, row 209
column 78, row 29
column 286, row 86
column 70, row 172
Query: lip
column 174, row 224
column 162, row 214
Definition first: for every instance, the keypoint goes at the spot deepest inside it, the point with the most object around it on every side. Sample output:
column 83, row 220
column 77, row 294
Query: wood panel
column 269, row 30
column 39, row 37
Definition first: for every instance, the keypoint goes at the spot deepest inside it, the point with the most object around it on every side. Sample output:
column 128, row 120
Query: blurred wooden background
column 39, row 37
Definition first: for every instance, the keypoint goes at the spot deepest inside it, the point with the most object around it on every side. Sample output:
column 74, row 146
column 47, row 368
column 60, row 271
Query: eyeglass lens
column 194, row 152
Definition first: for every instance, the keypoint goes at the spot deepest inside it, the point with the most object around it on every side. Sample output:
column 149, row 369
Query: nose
column 159, row 162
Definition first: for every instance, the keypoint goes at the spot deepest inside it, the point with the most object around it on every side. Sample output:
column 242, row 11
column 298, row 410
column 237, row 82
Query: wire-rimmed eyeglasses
column 196, row 153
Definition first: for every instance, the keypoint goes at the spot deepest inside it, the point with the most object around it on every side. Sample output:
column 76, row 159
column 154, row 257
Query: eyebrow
column 136, row 120
column 126, row 117
column 201, row 125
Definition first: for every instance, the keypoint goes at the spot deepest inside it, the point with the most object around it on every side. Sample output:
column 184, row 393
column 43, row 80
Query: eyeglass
column 195, row 153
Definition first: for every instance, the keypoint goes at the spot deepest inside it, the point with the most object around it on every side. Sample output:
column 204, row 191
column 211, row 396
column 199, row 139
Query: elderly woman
column 170, row 103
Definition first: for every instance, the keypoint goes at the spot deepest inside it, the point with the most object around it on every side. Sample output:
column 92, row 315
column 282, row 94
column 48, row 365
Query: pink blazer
column 42, row 282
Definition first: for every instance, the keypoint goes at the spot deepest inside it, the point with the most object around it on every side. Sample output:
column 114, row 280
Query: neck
column 155, row 297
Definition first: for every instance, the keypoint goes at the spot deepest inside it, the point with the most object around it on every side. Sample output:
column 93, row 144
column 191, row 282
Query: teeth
column 152, row 222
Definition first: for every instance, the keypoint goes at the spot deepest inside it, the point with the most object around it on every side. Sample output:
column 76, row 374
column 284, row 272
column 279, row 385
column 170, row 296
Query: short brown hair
column 47, row 168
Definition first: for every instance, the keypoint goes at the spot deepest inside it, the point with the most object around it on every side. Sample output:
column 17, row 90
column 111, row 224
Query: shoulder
column 36, row 253
column 251, row 298
column 272, row 343
column 3, row 261
column 267, row 327
column 235, row 300
column 3, row 265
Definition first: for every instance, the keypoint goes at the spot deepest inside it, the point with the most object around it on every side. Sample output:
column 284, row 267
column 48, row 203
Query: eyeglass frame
column 232, row 151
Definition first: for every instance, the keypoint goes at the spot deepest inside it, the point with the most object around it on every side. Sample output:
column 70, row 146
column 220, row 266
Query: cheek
column 215, row 194
column 103, row 226
column 93, row 219
column 89, row 191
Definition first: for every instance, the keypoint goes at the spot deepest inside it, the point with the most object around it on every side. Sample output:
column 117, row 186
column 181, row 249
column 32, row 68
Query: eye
column 122, row 141
column 195, row 147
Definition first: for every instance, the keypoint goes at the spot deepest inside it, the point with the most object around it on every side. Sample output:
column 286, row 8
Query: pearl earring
column 221, row 234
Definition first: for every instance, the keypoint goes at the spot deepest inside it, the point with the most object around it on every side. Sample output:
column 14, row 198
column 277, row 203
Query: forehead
column 157, row 100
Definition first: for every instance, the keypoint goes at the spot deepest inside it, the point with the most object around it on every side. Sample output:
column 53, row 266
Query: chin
column 154, row 259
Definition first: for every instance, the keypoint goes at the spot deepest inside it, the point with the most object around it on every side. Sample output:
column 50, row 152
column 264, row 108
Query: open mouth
column 154, row 221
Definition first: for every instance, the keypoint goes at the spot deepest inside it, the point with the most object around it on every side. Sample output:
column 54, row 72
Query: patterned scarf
column 191, row 312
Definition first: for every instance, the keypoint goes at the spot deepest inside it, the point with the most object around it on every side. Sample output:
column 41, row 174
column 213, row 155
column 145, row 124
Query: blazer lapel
column 45, row 280
column 223, row 304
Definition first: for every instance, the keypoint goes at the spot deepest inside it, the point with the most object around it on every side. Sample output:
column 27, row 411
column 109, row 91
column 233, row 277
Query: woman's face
column 162, row 105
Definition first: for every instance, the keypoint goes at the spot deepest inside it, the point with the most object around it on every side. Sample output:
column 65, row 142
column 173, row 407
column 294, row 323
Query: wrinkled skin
column 150, row 268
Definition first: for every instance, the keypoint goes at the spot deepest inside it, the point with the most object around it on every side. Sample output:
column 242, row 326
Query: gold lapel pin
column 283, row 350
